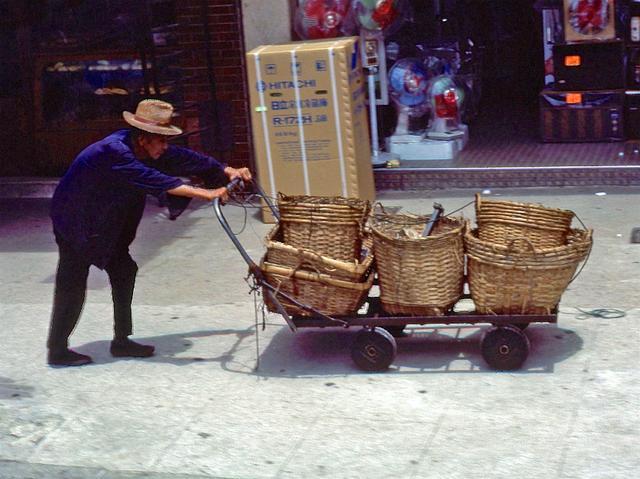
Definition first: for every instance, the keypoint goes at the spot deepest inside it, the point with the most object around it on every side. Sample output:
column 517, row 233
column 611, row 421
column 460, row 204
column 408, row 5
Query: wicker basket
column 519, row 278
column 323, row 292
column 418, row 276
column 330, row 226
column 501, row 221
column 283, row 254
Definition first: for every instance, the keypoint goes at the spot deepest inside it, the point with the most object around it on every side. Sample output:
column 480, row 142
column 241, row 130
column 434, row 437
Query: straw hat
column 153, row 116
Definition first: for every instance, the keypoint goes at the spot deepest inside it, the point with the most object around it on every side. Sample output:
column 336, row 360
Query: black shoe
column 68, row 358
column 121, row 348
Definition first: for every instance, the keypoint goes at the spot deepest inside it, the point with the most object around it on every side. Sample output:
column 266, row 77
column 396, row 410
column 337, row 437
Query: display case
column 582, row 116
column 85, row 91
column 80, row 98
column 589, row 65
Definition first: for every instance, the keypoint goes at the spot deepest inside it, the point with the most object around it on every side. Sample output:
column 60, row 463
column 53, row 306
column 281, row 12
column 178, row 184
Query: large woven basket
column 418, row 275
column 279, row 253
column 519, row 278
column 323, row 292
column 502, row 221
column 330, row 226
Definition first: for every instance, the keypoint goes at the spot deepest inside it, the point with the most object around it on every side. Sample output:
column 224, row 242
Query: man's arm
column 180, row 161
column 201, row 193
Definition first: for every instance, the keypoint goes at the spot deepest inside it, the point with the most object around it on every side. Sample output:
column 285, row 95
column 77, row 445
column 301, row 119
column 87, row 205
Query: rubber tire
column 373, row 349
column 520, row 326
column 505, row 348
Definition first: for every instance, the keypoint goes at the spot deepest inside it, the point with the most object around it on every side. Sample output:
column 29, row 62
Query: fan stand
column 445, row 129
column 441, row 142
column 402, row 131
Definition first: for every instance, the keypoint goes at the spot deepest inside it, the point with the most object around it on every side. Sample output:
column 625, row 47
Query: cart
column 504, row 345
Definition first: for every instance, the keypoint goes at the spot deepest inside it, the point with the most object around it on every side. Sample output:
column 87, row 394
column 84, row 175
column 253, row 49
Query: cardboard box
column 309, row 119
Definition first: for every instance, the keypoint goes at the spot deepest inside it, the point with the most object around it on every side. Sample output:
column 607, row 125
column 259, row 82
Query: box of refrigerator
column 309, row 119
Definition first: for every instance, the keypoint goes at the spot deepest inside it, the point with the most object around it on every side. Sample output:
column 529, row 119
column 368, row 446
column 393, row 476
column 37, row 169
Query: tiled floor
column 506, row 150
column 502, row 147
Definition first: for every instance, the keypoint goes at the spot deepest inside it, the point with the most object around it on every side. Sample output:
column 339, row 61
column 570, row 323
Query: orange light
column 573, row 98
column 572, row 61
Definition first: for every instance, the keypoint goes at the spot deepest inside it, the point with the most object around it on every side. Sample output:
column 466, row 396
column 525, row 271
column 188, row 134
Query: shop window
column 76, row 91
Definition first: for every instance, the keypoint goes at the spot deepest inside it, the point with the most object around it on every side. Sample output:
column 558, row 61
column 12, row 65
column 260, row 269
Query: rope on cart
column 601, row 313
column 254, row 288
column 245, row 204
column 235, row 202
column 461, row 208
column 586, row 260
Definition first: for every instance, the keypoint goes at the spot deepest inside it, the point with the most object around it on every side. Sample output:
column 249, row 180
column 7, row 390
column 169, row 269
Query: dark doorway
column 506, row 50
column 508, row 34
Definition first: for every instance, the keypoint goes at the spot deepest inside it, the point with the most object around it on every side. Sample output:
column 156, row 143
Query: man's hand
column 233, row 173
column 221, row 193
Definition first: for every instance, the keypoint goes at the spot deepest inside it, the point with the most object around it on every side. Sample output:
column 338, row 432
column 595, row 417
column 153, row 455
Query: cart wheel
column 505, row 348
column 373, row 349
column 521, row 326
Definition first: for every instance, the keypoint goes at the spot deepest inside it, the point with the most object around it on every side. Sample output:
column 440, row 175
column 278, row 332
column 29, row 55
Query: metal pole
column 210, row 73
column 373, row 114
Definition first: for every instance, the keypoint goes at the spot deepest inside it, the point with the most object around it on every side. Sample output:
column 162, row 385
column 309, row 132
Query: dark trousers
column 70, row 290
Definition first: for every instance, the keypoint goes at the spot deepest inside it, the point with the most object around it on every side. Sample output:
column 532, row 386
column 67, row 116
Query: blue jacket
column 98, row 204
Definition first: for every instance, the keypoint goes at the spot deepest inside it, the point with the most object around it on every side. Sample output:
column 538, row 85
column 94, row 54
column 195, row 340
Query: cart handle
column 236, row 183
column 267, row 200
column 254, row 268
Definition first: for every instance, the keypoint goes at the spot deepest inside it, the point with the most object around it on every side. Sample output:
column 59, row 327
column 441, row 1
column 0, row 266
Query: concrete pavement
column 201, row 409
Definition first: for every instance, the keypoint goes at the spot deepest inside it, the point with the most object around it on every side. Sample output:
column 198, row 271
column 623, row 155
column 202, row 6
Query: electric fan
column 445, row 98
column 375, row 18
column 589, row 17
column 316, row 19
column 408, row 85
column 376, row 15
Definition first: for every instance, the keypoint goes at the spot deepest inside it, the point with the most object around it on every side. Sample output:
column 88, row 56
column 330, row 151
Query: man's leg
column 122, row 275
column 69, row 295
column 122, row 271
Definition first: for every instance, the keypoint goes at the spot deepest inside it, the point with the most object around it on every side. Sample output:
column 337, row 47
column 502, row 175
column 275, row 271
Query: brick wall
column 227, row 53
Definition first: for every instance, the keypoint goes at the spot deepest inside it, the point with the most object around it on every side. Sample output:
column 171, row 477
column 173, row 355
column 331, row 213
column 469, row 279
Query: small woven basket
column 519, row 278
column 279, row 253
column 323, row 292
column 418, row 275
column 502, row 221
column 330, row 226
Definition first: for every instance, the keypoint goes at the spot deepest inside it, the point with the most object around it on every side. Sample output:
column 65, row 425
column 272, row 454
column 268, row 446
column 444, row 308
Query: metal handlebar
column 236, row 183
column 225, row 225
column 254, row 269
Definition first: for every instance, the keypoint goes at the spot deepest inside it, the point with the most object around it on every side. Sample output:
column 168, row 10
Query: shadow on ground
column 448, row 349
column 174, row 348
column 326, row 352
